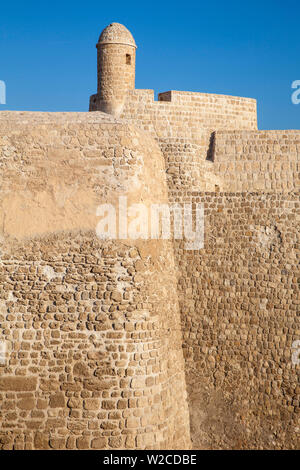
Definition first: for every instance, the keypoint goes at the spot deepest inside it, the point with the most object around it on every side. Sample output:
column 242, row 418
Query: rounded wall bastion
column 91, row 327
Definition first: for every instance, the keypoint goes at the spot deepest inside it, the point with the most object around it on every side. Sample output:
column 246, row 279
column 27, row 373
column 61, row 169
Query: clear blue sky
column 244, row 48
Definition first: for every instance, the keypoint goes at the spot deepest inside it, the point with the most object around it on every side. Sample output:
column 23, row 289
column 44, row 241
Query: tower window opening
column 128, row 59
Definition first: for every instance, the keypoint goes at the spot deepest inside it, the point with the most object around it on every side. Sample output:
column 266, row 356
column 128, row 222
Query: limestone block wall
column 186, row 170
column 183, row 123
column 239, row 301
column 183, row 114
column 116, row 75
column 94, row 329
column 257, row 160
column 188, row 117
column 239, row 296
column 235, row 161
column 91, row 327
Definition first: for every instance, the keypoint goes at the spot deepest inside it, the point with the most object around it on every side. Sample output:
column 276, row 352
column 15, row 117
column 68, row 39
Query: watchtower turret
column 115, row 68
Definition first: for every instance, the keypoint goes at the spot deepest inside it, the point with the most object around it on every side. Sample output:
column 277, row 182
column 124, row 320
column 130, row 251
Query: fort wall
column 257, row 160
column 96, row 329
column 92, row 329
column 239, row 302
column 135, row 343
column 183, row 114
column 235, row 161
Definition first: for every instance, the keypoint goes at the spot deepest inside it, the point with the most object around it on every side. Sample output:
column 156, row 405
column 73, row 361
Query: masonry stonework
column 142, row 344
column 115, row 68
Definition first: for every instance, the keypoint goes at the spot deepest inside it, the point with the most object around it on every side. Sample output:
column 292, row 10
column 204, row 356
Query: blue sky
column 243, row 48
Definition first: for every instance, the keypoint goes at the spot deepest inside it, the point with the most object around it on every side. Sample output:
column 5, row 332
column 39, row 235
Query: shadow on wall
column 211, row 149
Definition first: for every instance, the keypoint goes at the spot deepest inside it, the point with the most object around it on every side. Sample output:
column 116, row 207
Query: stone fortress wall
column 258, row 160
column 195, row 129
column 113, row 342
column 183, row 114
column 239, row 302
column 239, row 313
column 92, row 328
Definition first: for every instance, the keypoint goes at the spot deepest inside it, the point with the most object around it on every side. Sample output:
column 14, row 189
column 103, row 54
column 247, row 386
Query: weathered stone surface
column 26, row 404
column 81, row 369
column 58, row 443
column 41, row 441
column 95, row 326
column 139, row 343
column 57, row 400
column 99, row 443
column 18, row 384
column 83, row 443
column 91, row 404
